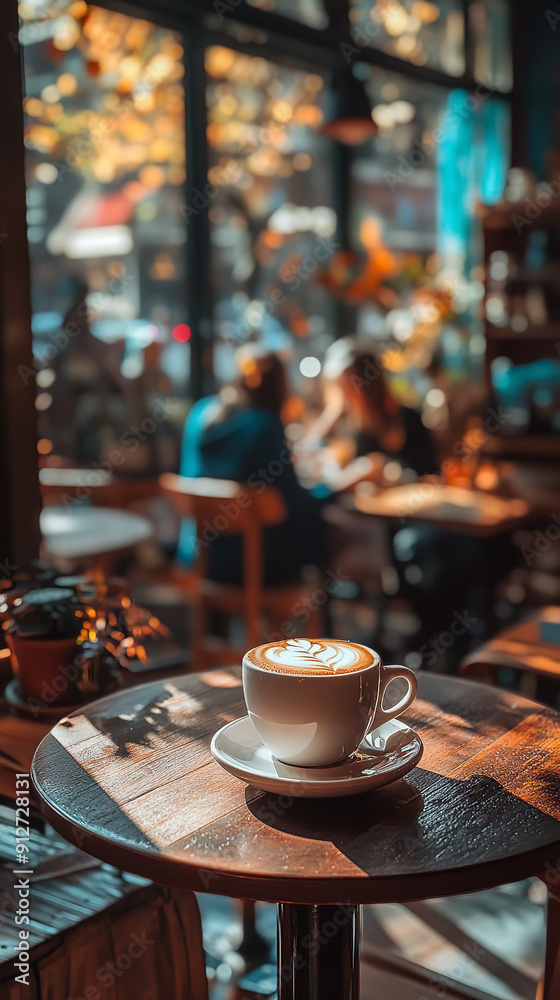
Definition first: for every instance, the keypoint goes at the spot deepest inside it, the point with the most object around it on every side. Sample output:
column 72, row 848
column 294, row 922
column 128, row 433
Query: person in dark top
column 382, row 425
column 239, row 435
column 382, row 429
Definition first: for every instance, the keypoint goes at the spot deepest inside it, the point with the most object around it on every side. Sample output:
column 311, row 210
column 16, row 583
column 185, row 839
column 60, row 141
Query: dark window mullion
column 200, row 297
column 338, row 12
column 469, row 41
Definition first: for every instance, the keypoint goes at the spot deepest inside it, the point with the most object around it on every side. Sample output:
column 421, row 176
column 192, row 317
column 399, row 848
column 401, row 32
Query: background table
column 130, row 779
column 449, row 507
column 80, row 531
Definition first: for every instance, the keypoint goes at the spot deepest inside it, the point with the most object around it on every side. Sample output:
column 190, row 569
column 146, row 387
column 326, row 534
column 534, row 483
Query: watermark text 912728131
column 22, row 871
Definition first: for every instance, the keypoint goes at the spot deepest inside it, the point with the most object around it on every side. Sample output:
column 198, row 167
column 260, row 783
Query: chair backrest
column 60, row 487
column 224, row 507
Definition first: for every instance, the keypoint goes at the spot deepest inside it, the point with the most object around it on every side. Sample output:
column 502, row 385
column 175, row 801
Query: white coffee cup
column 314, row 720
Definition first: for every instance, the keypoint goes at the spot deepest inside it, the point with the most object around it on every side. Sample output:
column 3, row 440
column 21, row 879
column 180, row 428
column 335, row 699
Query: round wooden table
column 130, row 779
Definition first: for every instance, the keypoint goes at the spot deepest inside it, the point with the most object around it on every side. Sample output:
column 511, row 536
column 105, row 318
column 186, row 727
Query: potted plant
column 41, row 636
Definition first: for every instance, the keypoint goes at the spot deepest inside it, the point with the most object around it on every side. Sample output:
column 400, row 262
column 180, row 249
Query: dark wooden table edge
column 274, row 889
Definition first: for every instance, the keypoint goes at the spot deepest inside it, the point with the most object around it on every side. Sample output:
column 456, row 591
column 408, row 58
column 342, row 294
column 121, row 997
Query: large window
column 421, row 31
column 394, row 225
column 414, row 189
column 273, row 224
column 393, row 177
column 104, row 133
column 433, row 34
column 490, row 24
column 307, row 241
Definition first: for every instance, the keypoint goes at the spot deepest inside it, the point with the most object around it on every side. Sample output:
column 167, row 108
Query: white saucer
column 386, row 754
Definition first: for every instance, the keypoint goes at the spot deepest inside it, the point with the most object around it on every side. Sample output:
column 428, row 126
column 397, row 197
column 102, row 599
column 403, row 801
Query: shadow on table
column 424, row 823
column 170, row 717
column 156, row 722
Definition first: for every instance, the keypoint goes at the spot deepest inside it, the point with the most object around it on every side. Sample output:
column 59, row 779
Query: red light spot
column 182, row 332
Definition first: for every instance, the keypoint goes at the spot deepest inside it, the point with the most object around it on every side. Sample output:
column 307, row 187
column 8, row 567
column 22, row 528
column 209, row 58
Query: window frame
column 293, row 44
column 297, row 40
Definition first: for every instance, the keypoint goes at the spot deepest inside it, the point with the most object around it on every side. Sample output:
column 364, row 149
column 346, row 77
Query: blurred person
column 439, row 571
column 377, row 431
column 239, row 435
column 381, row 428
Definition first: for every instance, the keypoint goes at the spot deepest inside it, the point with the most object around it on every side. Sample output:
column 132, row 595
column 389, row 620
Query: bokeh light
column 46, row 173
column 310, row 367
column 45, row 377
column 43, row 401
column 182, row 333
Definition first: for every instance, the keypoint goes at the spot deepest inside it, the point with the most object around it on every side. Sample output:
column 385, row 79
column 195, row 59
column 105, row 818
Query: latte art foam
column 311, row 656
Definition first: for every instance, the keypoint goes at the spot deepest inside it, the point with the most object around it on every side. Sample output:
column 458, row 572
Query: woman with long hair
column 382, row 429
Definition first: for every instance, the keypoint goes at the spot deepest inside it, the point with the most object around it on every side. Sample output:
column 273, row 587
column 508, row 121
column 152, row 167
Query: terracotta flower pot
column 44, row 669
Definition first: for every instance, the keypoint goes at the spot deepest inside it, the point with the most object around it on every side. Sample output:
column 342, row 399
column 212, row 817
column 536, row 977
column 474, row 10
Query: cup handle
column 388, row 674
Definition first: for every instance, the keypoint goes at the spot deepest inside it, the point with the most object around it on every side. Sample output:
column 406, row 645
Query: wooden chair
column 223, row 507
column 85, row 919
column 520, row 648
column 59, row 487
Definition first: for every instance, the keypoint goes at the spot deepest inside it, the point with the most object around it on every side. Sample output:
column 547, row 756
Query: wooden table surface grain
column 131, row 780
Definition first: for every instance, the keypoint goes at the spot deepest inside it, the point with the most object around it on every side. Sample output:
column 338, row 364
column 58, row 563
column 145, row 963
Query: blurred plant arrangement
column 45, row 614
column 113, row 634
column 71, row 644
column 127, row 631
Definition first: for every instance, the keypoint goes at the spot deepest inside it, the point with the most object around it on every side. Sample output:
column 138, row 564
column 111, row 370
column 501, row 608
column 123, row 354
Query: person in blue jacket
column 239, row 435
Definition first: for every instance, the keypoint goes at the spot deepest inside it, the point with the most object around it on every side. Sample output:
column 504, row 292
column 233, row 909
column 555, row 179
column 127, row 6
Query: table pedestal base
column 318, row 952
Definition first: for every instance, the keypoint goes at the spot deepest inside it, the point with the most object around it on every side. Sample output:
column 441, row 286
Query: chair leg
column 254, row 949
column 550, row 987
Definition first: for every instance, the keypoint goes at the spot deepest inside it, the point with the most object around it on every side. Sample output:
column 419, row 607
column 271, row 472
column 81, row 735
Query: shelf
column 548, row 274
column 501, row 218
column 546, row 331
column 530, row 445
